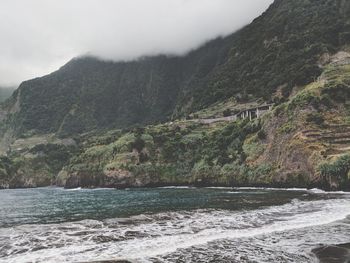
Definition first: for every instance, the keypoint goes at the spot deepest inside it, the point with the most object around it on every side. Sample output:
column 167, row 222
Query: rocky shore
column 333, row 254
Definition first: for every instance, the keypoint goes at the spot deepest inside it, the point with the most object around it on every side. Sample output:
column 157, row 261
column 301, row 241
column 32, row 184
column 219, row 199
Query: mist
column 39, row 36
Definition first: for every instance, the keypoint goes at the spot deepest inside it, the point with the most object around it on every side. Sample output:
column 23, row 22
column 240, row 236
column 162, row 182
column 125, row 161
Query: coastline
column 240, row 188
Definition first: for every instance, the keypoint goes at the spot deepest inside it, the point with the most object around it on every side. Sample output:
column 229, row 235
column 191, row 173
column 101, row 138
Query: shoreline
column 247, row 188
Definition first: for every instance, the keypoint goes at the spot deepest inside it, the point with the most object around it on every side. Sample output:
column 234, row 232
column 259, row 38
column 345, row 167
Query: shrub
column 302, row 99
column 338, row 169
column 124, row 143
column 138, row 144
column 286, row 128
column 316, row 118
column 280, row 109
column 338, row 92
column 262, row 134
column 227, row 113
column 326, row 100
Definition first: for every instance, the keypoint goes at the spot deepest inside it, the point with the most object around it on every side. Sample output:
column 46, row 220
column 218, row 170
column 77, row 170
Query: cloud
column 38, row 36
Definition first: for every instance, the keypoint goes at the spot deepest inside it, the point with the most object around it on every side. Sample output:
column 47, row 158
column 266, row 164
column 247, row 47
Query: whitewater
column 238, row 225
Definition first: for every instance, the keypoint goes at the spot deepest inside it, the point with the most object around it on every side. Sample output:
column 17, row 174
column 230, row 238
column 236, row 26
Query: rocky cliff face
column 303, row 142
column 279, row 49
column 308, row 137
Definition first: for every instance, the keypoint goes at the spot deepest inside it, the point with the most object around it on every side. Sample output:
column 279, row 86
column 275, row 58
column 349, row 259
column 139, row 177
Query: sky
column 39, row 36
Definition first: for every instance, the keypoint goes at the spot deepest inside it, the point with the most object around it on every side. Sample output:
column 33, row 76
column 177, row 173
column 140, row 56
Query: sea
column 170, row 224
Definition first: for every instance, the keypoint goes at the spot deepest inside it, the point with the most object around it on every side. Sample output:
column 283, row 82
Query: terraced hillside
column 312, row 129
column 336, row 139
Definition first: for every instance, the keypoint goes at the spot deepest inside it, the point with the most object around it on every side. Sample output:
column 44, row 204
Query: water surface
column 170, row 224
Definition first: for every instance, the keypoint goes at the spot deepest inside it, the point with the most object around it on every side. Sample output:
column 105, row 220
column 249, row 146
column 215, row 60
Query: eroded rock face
column 4, row 185
column 112, row 179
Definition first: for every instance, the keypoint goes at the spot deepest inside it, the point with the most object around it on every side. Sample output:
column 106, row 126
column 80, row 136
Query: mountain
column 280, row 49
column 100, row 120
column 87, row 93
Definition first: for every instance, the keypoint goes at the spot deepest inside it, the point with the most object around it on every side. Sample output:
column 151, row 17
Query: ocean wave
column 314, row 190
column 319, row 191
column 247, row 192
column 88, row 189
column 176, row 187
column 271, row 189
column 145, row 236
column 219, row 188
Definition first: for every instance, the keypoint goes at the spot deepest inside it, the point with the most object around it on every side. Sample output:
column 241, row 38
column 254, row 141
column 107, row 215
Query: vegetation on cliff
column 35, row 162
column 277, row 51
column 174, row 153
column 303, row 142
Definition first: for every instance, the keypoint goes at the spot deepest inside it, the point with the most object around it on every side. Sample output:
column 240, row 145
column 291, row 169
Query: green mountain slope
column 280, row 49
column 304, row 142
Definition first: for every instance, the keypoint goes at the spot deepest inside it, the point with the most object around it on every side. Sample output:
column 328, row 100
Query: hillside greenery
column 270, row 151
column 178, row 153
column 338, row 169
column 278, row 50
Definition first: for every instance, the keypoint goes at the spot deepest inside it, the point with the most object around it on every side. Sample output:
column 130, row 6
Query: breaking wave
column 155, row 237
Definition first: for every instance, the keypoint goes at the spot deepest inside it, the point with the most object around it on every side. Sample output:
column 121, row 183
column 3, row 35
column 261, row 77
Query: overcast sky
column 39, row 36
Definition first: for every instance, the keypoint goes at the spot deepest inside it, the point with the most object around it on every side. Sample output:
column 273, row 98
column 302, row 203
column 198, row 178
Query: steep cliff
column 303, row 142
column 278, row 50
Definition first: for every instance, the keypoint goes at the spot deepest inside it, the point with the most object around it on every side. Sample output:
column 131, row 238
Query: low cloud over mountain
column 38, row 36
